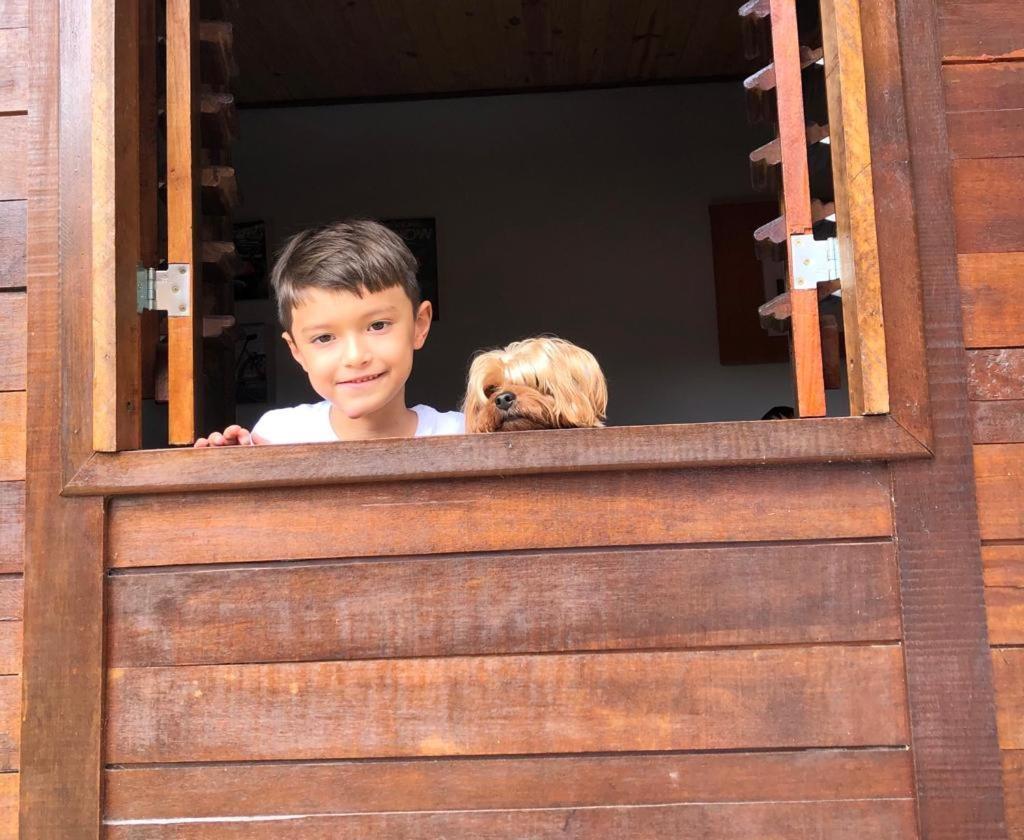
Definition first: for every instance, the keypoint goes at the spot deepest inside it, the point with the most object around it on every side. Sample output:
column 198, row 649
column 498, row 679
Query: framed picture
column 252, row 379
column 420, row 235
column 253, row 281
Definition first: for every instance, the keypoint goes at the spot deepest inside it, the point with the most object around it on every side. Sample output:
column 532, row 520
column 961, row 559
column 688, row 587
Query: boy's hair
column 352, row 256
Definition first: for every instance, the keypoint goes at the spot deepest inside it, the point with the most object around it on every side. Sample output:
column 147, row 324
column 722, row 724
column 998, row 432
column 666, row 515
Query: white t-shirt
column 311, row 423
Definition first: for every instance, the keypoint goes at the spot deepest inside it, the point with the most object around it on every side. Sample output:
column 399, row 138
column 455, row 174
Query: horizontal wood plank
column 10, row 722
column 614, row 600
column 996, row 374
column 12, row 436
column 1005, row 608
column 879, row 820
column 12, row 526
column 13, row 70
column 13, row 132
column 998, row 422
column 993, row 306
column 985, row 109
column 1008, row 676
column 981, row 29
column 9, row 806
column 13, row 13
column 1004, row 565
column 12, row 244
column 11, row 594
column 1013, row 782
column 988, row 213
column 10, row 647
column 999, row 478
column 494, row 514
column 725, row 699
column 12, row 340
column 479, row 784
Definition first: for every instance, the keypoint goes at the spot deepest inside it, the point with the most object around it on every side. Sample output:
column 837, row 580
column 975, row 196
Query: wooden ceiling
column 308, row 50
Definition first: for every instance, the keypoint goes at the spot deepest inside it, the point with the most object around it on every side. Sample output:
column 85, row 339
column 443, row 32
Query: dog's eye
column 490, row 391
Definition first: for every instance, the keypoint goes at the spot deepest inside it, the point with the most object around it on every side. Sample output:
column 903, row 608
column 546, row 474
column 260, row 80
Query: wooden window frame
column 903, row 433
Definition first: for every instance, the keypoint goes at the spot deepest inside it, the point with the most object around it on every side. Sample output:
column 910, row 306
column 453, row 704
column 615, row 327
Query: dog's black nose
column 504, row 400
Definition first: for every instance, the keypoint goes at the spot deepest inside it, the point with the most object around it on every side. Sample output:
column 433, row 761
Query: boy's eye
column 322, row 339
column 377, row 326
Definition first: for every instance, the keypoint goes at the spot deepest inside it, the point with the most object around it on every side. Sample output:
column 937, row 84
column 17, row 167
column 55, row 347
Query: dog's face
column 539, row 383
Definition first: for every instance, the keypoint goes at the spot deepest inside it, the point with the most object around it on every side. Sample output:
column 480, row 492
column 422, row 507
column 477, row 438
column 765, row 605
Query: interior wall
column 583, row 214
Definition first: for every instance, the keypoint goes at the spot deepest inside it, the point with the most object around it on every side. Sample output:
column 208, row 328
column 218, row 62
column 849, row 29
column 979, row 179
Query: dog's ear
column 578, row 386
column 485, row 369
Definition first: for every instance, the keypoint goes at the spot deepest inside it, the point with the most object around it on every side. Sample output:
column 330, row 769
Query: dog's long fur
column 556, row 385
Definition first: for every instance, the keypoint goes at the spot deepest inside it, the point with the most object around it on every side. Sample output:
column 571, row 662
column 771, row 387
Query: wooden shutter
column 846, row 136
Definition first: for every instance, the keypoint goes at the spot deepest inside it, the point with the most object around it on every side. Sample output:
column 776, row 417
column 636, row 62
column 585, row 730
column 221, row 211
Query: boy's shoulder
column 306, row 423
column 433, row 422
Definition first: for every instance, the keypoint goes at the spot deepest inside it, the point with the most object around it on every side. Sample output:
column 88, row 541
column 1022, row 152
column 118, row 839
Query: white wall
column 582, row 214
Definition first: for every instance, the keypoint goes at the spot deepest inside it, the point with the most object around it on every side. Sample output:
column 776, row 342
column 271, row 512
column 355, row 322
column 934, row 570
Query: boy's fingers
column 216, row 439
column 259, row 440
column 201, row 443
column 234, row 432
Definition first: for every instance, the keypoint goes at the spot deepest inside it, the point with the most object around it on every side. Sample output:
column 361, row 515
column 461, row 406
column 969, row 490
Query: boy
column 349, row 303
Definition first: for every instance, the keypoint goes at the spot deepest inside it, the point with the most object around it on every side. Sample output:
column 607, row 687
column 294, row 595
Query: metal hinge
column 166, row 289
column 814, row 260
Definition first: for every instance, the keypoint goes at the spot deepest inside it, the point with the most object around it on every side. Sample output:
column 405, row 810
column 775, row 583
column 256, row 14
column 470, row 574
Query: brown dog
column 538, row 383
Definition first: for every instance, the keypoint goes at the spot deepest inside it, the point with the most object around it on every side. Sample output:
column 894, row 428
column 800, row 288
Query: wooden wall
column 591, row 655
column 983, row 44
column 13, row 129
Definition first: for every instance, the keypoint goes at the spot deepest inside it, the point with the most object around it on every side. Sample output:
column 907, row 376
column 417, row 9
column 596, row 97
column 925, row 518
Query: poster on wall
column 252, row 281
column 252, row 380
column 420, row 235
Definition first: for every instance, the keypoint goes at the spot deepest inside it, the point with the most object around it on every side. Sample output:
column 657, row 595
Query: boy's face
column 358, row 351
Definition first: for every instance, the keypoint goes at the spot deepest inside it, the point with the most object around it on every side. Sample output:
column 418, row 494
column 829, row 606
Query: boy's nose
column 504, row 400
column 354, row 352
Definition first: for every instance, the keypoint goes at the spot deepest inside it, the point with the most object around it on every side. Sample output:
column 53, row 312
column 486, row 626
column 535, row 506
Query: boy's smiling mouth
column 362, row 380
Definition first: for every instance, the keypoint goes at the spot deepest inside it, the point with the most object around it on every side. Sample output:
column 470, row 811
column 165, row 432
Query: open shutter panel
column 116, row 384
column 819, row 263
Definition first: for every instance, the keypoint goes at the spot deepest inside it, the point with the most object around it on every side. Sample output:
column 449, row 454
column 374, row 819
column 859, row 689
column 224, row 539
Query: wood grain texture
column 958, row 773
column 993, row 308
column 998, row 422
column 12, row 244
column 896, row 222
column 884, row 820
column 985, row 109
column 1008, row 670
column 989, row 216
column 9, row 806
column 10, row 722
column 981, row 29
column 12, row 341
column 13, row 70
column 63, row 640
column 1004, row 565
column 1013, row 775
column 13, row 129
column 12, row 526
column 13, row 13
column 506, row 604
column 10, row 647
column 488, row 514
column 838, row 439
column 12, row 435
column 999, row 469
column 767, row 698
column 526, row 782
column 996, row 374
column 1005, row 606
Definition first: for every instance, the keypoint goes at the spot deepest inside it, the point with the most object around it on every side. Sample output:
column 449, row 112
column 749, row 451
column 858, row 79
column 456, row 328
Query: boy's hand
column 232, row 436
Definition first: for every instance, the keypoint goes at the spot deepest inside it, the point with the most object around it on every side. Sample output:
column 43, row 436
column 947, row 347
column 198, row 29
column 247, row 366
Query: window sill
column 841, row 439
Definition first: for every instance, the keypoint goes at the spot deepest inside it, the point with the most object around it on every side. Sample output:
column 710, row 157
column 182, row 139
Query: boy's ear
column 295, row 350
column 424, row 317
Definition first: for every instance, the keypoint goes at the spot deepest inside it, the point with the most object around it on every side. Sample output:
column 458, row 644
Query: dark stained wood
column 884, row 820
column 12, row 526
column 13, row 13
column 12, row 156
column 12, row 436
column 218, row 120
column 1013, row 774
column 981, row 29
column 216, row 51
column 998, row 422
column 492, row 514
column 993, row 307
column 996, row 374
column 958, row 772
column 468, row 784
column 989, row 214
column 637, row 448
column 63, row 639
column 680, row 598
column 769, row 697
column 999, row 469
column 985, row 109
column 13, row 70
column 896, row 222
column 12, row 341
column 1008, row 669
column 12, row 244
